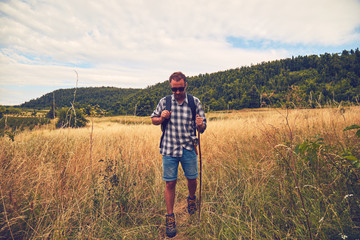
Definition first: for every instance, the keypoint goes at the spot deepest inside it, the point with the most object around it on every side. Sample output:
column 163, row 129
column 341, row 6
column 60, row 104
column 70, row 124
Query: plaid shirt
column 179, row 132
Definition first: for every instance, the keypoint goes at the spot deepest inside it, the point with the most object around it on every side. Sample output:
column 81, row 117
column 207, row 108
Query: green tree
column 144, row 106
column 67, row 118
column 251, row 99
column 51, row 114
column 2, row 111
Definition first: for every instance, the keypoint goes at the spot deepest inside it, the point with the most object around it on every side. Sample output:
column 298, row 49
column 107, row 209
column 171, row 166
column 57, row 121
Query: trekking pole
column 200, row 175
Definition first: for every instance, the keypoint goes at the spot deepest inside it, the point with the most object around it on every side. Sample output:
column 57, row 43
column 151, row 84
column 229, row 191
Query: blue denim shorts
column 188, row 163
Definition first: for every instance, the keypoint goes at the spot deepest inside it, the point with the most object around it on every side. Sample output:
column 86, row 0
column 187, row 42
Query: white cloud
column 138, row 43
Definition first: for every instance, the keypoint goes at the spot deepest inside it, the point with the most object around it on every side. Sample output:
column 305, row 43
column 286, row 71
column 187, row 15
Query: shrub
column 67, row 118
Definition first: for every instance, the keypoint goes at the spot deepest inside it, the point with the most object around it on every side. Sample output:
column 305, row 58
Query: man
column 177, row 143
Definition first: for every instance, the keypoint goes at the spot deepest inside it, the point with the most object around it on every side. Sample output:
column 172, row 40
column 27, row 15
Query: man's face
column 176, row 87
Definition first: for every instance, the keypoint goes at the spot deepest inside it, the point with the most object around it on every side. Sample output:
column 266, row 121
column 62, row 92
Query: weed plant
column 269, row 174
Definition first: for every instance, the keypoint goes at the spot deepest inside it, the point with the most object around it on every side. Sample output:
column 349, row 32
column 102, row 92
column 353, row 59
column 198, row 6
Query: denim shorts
column 188, row 163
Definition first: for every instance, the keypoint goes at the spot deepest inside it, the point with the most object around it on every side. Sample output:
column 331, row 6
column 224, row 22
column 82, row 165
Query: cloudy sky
column 137, row 43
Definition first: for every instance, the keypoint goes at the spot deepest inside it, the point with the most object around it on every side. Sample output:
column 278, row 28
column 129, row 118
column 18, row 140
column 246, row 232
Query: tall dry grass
column 248, row 167
column 105, row 181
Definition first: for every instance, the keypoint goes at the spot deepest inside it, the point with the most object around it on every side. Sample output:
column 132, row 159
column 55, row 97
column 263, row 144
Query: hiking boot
column 170, row 225
column 191, row 205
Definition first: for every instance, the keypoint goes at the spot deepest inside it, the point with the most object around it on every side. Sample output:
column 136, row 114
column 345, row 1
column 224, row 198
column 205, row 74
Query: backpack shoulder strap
column 167, row 107
column 168, row 103
column 193, row 110
column 166, row 121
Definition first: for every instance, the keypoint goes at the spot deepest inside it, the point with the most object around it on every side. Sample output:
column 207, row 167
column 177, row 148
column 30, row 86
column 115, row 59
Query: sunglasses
column 181, row 89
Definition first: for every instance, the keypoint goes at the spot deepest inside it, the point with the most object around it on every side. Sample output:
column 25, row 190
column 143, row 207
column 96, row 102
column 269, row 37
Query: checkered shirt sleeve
column 179, row 132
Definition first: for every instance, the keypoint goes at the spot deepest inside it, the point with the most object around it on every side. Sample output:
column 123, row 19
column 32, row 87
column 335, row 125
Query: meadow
column 267, row 174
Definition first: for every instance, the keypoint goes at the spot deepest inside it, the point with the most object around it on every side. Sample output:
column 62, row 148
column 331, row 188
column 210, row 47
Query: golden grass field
column 104, row 181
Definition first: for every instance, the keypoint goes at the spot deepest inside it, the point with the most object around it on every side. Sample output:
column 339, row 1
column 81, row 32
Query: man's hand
column 200, row 123
column 165, row 114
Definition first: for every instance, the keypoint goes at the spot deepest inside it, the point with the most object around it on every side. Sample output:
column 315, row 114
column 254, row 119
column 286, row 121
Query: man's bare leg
column 170, row 196
column 192, row 184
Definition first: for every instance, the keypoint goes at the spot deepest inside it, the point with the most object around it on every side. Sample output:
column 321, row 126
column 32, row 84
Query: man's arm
column 200, row 117
column 159, row 120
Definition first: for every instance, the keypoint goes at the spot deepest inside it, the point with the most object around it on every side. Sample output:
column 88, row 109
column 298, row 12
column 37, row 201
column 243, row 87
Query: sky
column 47, row 45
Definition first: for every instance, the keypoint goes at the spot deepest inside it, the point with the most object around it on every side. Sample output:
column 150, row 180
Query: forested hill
column 104, row 97
column 303, row 81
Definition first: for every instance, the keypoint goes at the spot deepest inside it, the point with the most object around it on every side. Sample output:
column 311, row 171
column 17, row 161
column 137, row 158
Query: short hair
column 177, row 76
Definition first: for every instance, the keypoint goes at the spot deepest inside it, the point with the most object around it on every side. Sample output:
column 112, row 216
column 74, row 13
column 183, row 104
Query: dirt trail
column 183, row 220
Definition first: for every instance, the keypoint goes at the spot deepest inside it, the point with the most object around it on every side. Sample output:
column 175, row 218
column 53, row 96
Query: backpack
column 191, row 103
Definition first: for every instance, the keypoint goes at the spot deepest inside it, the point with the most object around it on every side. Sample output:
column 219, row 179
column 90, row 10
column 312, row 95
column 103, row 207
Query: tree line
column 303, row 81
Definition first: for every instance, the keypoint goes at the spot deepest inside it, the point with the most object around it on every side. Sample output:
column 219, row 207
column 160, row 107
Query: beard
column 180, row 96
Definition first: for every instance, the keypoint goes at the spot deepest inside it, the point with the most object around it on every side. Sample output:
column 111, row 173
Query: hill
column 102, row 96
column 303, row 81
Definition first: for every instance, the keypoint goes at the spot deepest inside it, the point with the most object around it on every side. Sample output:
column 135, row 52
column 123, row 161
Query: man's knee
column 192, row 182
column 170, row 184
